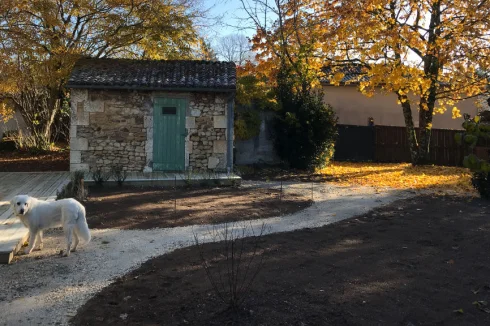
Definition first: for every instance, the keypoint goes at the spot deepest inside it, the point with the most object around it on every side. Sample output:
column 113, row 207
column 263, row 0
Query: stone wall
column 259, row 149
column 206, row 125
column 116, row 128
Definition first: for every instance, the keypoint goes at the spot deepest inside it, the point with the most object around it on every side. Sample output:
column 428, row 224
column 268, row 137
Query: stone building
column 146, row 115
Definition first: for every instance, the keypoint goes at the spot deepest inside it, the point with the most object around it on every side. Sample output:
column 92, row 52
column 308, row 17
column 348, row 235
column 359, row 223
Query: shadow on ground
column 421, row 261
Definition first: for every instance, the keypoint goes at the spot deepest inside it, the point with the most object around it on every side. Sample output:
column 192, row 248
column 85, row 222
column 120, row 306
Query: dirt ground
column 146, row 208
column 422, row 261
column 19, row 161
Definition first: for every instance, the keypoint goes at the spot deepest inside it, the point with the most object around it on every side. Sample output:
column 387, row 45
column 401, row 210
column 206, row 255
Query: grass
column 441, row 179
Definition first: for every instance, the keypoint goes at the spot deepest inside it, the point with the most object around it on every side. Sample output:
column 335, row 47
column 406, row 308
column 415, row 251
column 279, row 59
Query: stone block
column 220, row 100
column 219, row 146
column 190, row 122
column 79, row 144
column 213, row 162
column 219, row 121
column 73, row 131
column 75, row 157
column 94, row 106
column 195, row 113
column 79, row 167
column 81, row 117
column 79, row 95
column 188, row 147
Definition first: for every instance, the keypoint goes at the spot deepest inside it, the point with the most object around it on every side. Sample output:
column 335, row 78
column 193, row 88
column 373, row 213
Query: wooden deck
column 42, row 185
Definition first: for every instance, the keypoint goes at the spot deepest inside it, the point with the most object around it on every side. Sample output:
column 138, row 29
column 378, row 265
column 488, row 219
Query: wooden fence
column 390, row 144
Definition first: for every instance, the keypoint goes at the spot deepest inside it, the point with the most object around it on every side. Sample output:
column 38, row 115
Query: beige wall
column 353, row 108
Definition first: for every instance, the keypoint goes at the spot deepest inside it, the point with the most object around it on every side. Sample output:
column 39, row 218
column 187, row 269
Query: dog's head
column 20, row 204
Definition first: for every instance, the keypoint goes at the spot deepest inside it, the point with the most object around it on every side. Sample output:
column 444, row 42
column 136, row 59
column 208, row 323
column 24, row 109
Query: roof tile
column 153, row 74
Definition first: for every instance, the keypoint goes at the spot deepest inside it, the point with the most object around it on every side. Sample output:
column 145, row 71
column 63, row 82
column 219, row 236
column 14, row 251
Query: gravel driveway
column 45, row 289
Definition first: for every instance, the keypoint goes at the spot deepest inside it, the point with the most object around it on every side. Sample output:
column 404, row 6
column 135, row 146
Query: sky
column 232, row 18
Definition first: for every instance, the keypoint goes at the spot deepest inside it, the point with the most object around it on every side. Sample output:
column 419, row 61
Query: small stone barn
column 148, row 115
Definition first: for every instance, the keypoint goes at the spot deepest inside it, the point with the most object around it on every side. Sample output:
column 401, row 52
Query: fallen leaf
column 459, row 311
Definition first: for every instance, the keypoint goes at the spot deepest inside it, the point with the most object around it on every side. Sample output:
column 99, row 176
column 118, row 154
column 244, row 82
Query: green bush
column 476, row 133
column 305, row 128
column 247, row 124
column 481, row 182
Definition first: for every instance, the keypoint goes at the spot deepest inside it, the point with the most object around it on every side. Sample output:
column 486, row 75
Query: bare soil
column 147, row 208
column 423, row 261
column 22, row 161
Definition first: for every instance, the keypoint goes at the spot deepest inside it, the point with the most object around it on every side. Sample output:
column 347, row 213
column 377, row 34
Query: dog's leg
column 76, row 240
column 68, row 235
column 40, row 240
column 32, row 242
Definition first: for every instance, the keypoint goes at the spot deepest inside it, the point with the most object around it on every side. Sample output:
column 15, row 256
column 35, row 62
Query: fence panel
column 390, row 144
column 355, row 143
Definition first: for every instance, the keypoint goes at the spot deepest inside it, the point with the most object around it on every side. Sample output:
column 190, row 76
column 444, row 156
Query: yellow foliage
column 456, row 113
column 6, row 112
column 41, row 40
column 402, row 176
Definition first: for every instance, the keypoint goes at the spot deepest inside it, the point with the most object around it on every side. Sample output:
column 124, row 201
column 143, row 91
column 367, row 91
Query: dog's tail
column 82, row 226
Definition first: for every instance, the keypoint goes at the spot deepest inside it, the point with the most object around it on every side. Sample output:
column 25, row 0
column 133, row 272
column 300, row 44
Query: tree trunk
column 428, row 99
column 425, row 131
column 412, row 135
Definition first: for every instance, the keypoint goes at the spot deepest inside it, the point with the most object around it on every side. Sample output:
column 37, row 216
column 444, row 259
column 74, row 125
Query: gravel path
column 45, row 289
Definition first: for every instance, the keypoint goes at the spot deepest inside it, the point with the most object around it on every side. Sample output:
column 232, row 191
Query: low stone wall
column 111, row 127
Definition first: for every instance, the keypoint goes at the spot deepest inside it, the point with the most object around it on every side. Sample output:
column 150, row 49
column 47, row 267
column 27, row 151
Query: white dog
column 38, row 215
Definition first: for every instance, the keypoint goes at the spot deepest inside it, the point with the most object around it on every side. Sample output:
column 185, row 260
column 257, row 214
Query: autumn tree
column 429, row 53
column 41, row 40
column 285, row 39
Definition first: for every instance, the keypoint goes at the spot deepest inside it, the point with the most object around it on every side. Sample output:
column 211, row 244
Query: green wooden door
column 169, row 134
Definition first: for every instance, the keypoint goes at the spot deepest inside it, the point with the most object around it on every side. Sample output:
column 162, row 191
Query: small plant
column 119, row 174
column 188, row 178
column 100, row 176
column 481, row 182
column 232, row 179
column 206, row 179
column 75, row 188
column 234, row 264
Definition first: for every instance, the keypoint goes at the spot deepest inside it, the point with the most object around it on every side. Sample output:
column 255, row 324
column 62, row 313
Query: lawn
column 422, row 261
column 440, row 179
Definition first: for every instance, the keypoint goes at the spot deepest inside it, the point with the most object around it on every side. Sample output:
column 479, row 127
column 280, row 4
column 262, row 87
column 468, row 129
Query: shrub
column 305, row 128
column 233, row 265
column 481, row 182
column 119, row 174
column 100, row 176
column 34, row 142
column 477, row 133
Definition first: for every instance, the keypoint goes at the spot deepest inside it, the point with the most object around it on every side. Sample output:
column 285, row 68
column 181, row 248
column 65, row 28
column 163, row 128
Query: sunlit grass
column 402, row 176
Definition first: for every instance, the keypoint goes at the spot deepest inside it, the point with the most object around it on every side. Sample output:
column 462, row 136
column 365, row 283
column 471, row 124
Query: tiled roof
column 353, row 74
column 153, row 74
